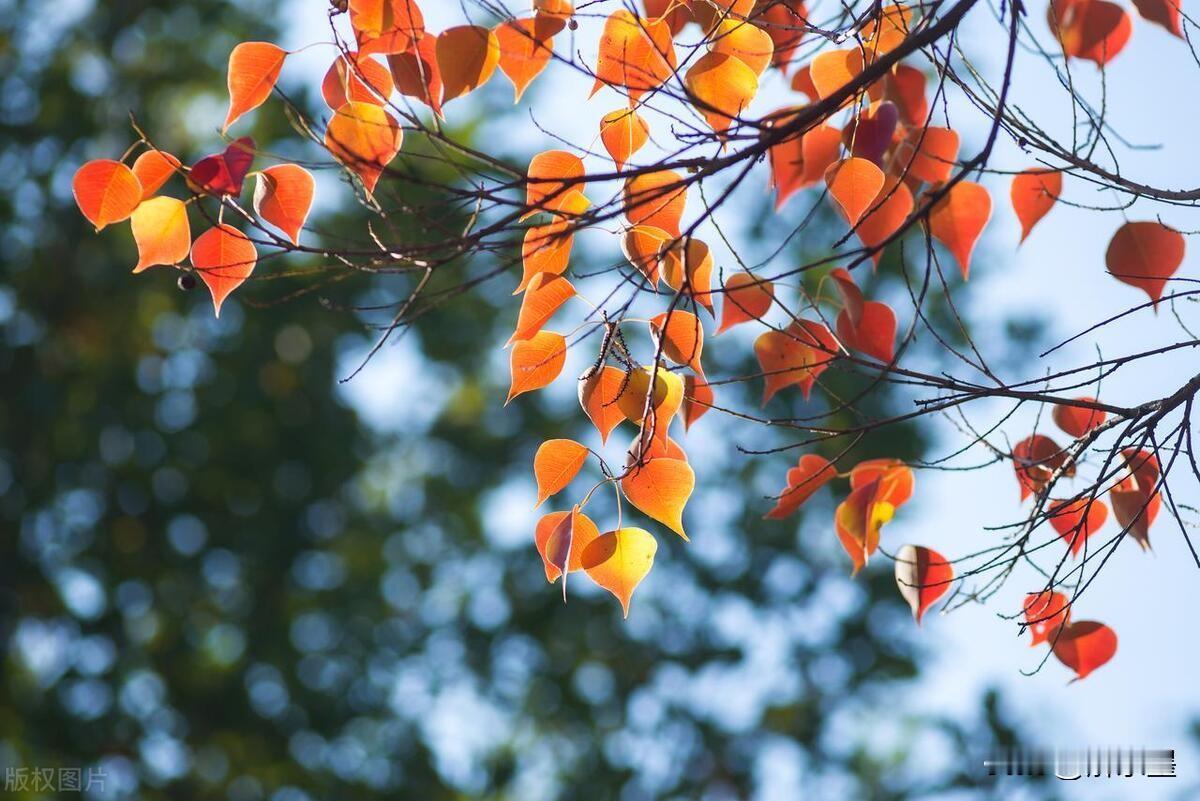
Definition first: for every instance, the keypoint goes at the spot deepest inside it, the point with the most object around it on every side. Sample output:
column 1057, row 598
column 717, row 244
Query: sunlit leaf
column 1135, row 498
column 923, row 576
column 796, row 356
column 1034, row 193
column 283, row 197
column 416, row 73
column 544, row 295
column 1166, row 13
column 929, row 154
column 386, row 26
column 558, row 534
column 467, row 55
column 854, row 183
column 886, row 215
column 546, row 249
column 224, row 173
column 356, row 77
column 254, row 68
column 746, row 42
column 553, row 176
column 106, row 191
column 1045, row 613
column 1077, row 420
column 809, row 475
column 598, row 395
column 660, row 489
column 635, row 55
column 720, row 86
column 682, row 336
column 858, row 521
column 698, row 398
column 365, row 138
column 153, row 169
column 526, row 47
column 1076, row 521
column 906, row 88
column 1035, row 460
column 896, row 480
column 1145, row 255
column 555, row 465
column 224, row 258
column 645, row 247
column 623, row 133
column 619, row 560
column 786, row 23
column 747, row 297
column 664, row 402
column 1085, row 646
column 535, row 362
column 958, row 218
column 161, row 231
column 1094, row 30
column 656, row 199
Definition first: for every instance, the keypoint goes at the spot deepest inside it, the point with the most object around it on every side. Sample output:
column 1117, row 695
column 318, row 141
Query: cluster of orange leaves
column 879, row 168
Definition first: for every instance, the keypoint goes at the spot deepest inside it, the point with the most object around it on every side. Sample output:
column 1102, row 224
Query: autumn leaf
column 698, row 398
column 386, row 26
column 786, row 23
column 906, row 88
column 896, row 480
column 598, row 395
column 224, row 258
column 619, row 560
column 154, row 168
column 1045, row 613
column 664, row 402
column 830, row 70
column 1035, row 460
column 1166, row 13
column 744, row 41
column 875, row 332
column 356, row 77
column 416, row 74
column 660, row 488
column 106, row 191
column 958, row 218
column 1076, row 521
column 720, row 86
column 555, row 465
column 467, row 55
column 682, row 337
column 746, row 298
column 535, row 362
column 929, row 154
column 551, row 180
column 544, row 295
column 161, row 231
column 526, row 47
column 1078, row 420
column 623, row 133
column 1145, row 255
column 556, row 534
column 283, row 196
column 869, row 134
column 809, row 475
column 1085, row 646
column 1034, row 193
column 1094, row 30
column 887, row 214
column 687, row 268
column 923, row 576
column 854, row 183
column 656, row 199
column 858, row 521
column 365, row 138
column 222, row 174
column 254, row 68
column 635, row 55
column 886, row 29
column 796, row 356
column 645, row 247
column 1135, row 498
column 546, row 249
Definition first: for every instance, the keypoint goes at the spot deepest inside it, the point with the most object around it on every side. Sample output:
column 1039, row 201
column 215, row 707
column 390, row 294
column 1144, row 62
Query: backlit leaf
column 698, row 398
column 154, row 168
column 854, row 183
column 365, row 138
column 746, row 42
column 1076, row 521
column 356, row 77
column 660, row 488
column 526, row 47
column 467, row 55
column 623, row 133
column 1035, row 460
column 809, row 475
column 283, row 197
column 746, row 298
column 929, row 154
column 254, row 68
column 1145, row 255
column 598, row 396
column 1077, row 420
column 858, row 521
column 106, row 191
column 958, row 218
column 1135, row 498
column 619, row 560
column 535, row 362
column 636, row 55
column 555, row 465
column 656, row 199
column 546, row 249
column 720, row 86
column 386, row 26
column 161, row 231
column 1034, row 193
column 1094, row 30
column 796, row 356
column 552, row 177
column 886, row 215
column 682, row 337
column 1045, row 612
column 544, row 295
column 923, row 576
column 1085, row 646
column 1162, row 12
column 224, row 258
column 416, row 74
column 223, row 173
column 558, row 533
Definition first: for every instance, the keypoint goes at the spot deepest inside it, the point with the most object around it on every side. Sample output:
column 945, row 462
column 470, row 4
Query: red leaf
column 958, row 218
column 253, row 70
column 224, row 258
column 283, row 196
column 356, row 77
column 1145, row 255
column 1076, row 420
column 1085, row 646
column 1035, row 459
column 809, row 475
column 746, row 298
column 1076, row 521
column 416, row 74
column 1045, row 612
column 106, row 191
column 796, row 356
column 1135, row 499
column 1162, row 12
column 923, row 576
column 223, row 173
column 1095, row 30
column 1034, row 193
column 153, row 169
column 698, row 398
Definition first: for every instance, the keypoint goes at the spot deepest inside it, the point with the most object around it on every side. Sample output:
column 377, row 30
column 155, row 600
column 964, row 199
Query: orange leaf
column 1162, row 12
column 660, row 488
column 1094, row 30
column 526, row 46
column 106, row 191
column 356, row 77
column 552, row 178
column 886, row 29
column 906, row 88
column 1085, row 646
column 1034, row 193
column 1076, row 521
column 562, row 9
column 224, row 258
column 161, row 231
column 645, row 247
column 796, row 356
column 1135, row 499
column 874, row 334
column 635, row 54
column 598, row 396
column 923, row 575
column 535, row 362
column 1035, row 459
column 546, row 249
column 1076, row 420
column 958, row 219
column 833, row 69
column 623, row 133
column 748, row 43
column 746, row 298
column 1145, row 255
column 253, row 70
column 720, row 86
column 664, row 402
column 895, row 478
column 854, row 183
column 644, row 448
column 688, row 268
column 656, row 199
column 386, row 26
column 786, row 23
column 153, row 169
column 467, row 56
column 365, row 138
column 682, row 337
column 698, row 398
column 283, row 196
column 619, row 560
column 563, row 533
column 809, row 475
column 1045, row 612
column 555, row 465
column 545, row 293
column 416, row 74
column 888, row 212
column 858, row 520
column 929, row 154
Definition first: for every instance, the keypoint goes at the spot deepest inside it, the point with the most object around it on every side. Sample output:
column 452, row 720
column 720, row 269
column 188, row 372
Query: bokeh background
column 224, row 575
